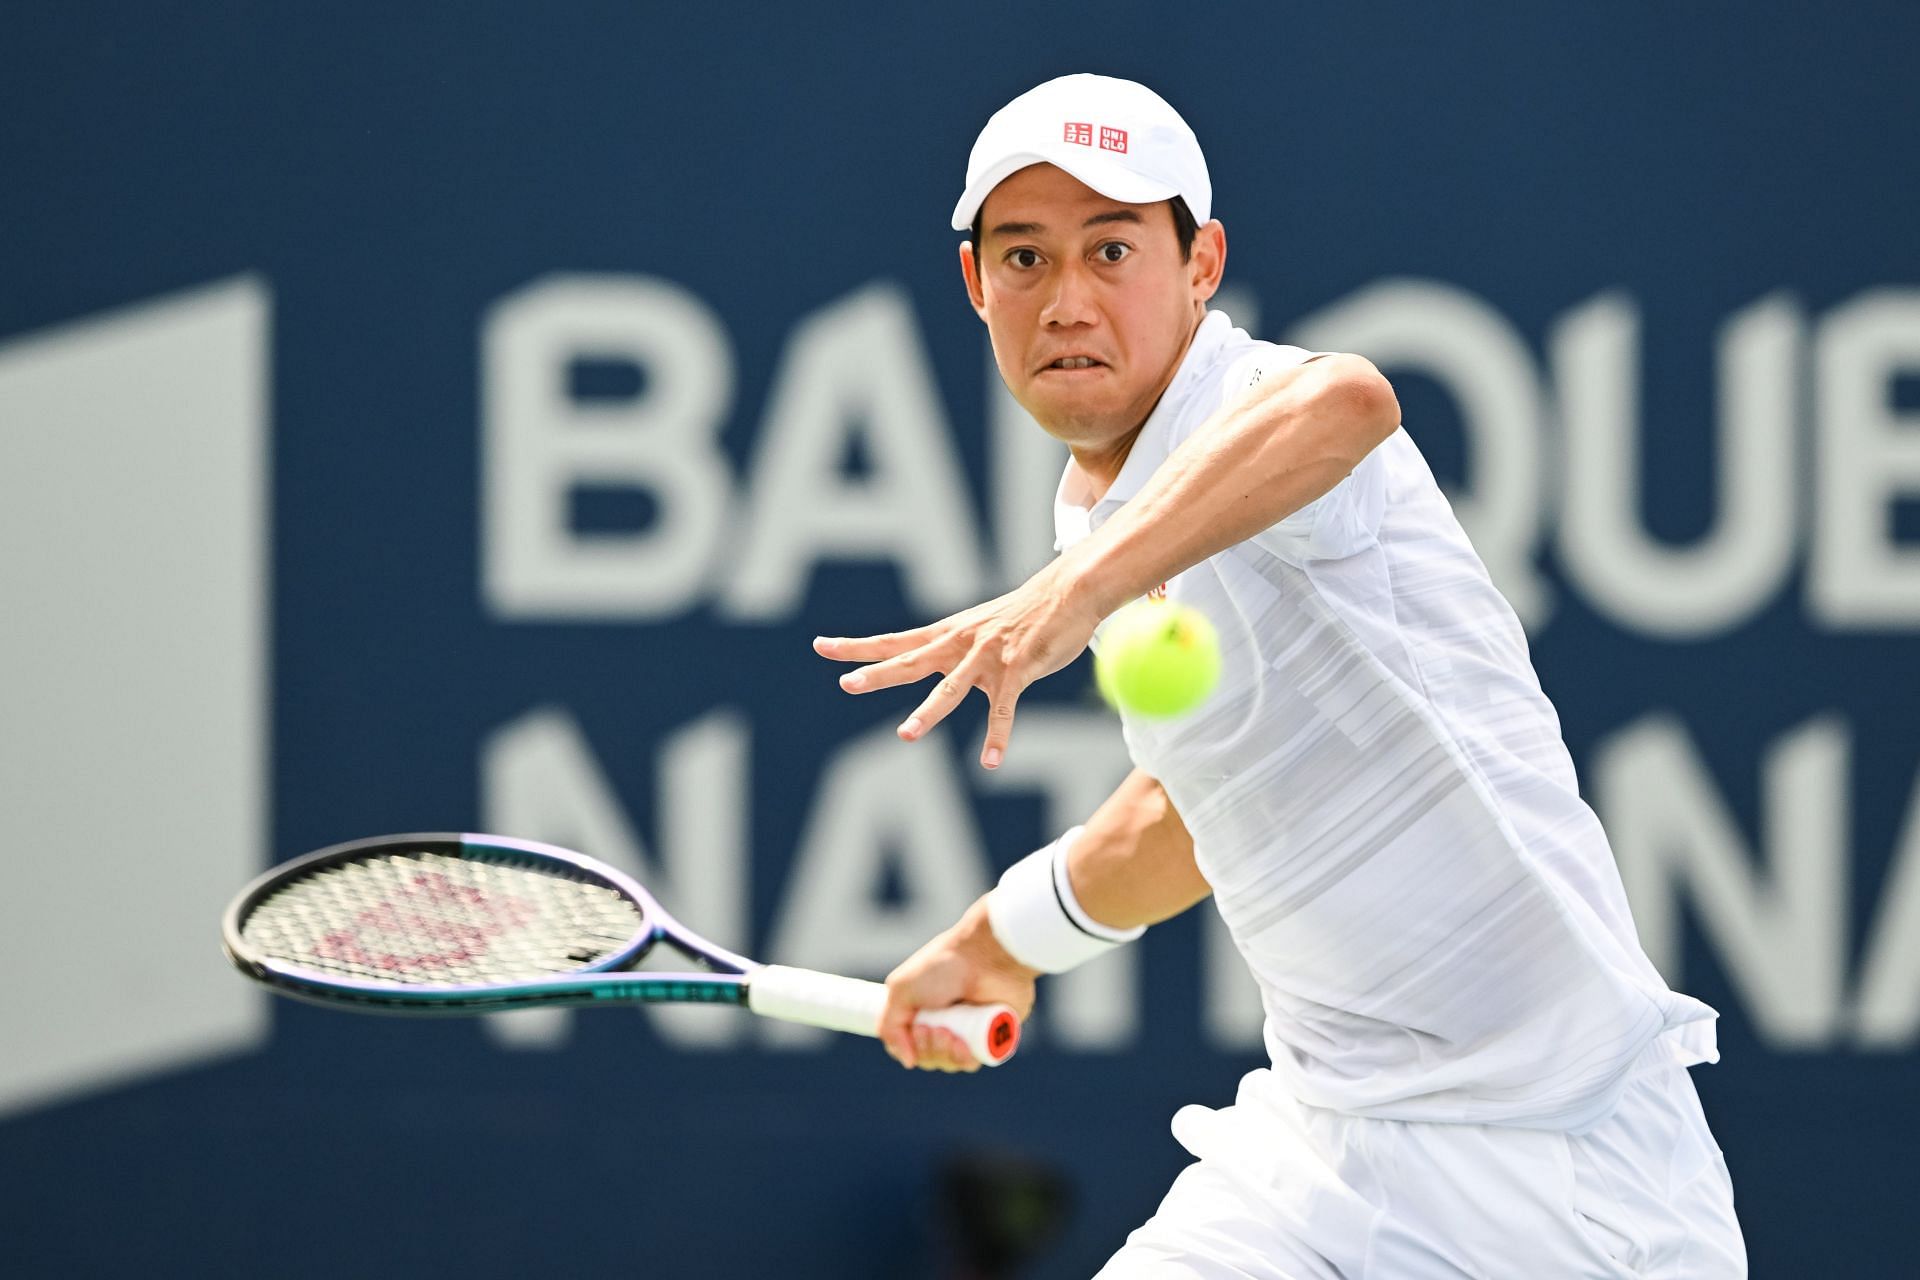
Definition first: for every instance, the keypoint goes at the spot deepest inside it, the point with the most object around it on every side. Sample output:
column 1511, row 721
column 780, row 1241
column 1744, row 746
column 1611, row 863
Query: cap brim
column 1107, row 176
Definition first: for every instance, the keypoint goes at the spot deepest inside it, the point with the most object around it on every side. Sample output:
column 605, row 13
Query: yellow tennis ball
column 1157, row 658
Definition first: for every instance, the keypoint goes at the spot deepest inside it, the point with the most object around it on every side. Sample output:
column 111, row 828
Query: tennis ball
column 1157, row 658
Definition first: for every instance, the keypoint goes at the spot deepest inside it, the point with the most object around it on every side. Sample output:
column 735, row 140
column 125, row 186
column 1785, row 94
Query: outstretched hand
column 999, row 647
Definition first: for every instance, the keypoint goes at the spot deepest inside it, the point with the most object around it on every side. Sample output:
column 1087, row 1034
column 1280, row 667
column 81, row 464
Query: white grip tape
column 990, row 1031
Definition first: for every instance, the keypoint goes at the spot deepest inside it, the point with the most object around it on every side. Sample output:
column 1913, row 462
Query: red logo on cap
column 1113, row 139
column 1080, row 133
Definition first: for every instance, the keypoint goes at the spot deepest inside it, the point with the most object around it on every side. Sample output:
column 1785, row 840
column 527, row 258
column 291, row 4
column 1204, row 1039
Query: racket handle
column 990, row 1031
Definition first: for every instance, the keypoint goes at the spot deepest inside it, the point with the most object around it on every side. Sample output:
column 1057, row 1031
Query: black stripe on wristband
column 1053, row 878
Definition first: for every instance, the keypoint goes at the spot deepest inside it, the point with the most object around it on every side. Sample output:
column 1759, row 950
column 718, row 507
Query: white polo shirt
column 1380, row 797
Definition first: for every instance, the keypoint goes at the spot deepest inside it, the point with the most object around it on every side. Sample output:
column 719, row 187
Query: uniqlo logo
column 1113, row 139
column 1080, row 133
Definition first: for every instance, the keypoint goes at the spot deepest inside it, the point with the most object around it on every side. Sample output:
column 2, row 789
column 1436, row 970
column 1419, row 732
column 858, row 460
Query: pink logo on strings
column 406, row 917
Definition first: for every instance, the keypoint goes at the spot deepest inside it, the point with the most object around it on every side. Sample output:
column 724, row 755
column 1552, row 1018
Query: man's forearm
column 1133, row 862
column 1250, row 466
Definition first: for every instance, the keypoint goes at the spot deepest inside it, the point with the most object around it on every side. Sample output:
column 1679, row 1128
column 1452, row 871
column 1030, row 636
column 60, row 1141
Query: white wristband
column 1036, row 917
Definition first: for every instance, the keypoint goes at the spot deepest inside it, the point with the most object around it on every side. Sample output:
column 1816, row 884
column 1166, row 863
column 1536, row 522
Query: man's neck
column 1100, row 467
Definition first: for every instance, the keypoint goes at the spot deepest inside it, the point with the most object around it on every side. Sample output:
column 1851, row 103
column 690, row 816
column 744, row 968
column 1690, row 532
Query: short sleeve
column 1340, row 522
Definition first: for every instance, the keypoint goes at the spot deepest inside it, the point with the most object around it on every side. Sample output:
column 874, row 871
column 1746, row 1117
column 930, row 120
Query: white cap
column 1118, row 137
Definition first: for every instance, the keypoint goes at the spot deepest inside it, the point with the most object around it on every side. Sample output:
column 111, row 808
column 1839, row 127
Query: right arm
column 1132, row 865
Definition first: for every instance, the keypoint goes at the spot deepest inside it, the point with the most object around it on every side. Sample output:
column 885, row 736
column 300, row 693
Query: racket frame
column 724, row 981
column 991, row 1032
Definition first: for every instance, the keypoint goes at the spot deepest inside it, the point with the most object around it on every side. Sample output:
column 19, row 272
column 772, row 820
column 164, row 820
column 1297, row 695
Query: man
column 1475, row 1069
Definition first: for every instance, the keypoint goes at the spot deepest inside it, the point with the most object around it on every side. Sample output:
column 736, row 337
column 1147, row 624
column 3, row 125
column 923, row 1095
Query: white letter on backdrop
column 1869, row 458
column 856, row 371
column 1782, row 935
column 1657, row 589
column 1887, row 1015
column 539, row 444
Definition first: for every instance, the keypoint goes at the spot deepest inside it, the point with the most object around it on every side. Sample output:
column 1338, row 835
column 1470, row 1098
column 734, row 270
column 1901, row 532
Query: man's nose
column 1071, row 299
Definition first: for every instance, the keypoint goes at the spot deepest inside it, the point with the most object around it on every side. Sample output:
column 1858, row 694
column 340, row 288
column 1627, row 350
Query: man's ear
column 1209, row 259
column 970, row 272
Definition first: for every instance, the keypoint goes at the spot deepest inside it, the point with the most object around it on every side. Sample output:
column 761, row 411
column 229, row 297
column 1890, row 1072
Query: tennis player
column 1475, row 1069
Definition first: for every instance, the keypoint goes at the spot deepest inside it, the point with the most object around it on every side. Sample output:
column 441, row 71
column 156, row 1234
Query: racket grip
column 990, row 1031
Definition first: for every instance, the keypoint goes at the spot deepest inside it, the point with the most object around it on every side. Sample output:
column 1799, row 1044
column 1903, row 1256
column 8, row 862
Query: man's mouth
column 1076, row 362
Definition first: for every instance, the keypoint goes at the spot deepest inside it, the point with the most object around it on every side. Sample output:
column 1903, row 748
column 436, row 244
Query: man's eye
column 1113, row 251
column 1024, row 258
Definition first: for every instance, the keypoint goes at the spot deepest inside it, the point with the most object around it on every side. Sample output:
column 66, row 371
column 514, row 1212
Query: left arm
column 1247, row 467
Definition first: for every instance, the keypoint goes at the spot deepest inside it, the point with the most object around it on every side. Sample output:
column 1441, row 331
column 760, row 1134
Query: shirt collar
column 1074, row 515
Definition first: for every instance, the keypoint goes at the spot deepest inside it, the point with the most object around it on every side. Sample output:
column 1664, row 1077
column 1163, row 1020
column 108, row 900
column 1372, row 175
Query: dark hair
column 1184, row 227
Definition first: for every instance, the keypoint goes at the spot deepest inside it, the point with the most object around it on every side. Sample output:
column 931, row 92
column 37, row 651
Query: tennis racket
column 464, row 924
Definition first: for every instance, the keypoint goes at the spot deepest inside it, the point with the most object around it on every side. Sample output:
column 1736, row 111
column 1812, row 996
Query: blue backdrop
column 611, row 352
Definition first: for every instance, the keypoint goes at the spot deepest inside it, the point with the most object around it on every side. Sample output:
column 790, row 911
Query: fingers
column 999, row 730
column 896, row 1031
column 927, row 1048
column 869, row 648
column 938, row 1049
column 948, row 694
column 939, row 704
column 905, row 668
column 899, row 659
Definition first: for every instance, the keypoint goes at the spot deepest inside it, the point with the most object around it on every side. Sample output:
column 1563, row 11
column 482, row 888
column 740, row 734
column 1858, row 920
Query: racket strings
column 421, row 916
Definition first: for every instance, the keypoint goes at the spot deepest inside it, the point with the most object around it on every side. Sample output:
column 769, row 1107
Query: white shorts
column 1284, row 1191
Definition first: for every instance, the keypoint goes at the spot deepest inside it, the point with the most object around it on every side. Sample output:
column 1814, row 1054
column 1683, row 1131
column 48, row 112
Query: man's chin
column 1077, row 419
